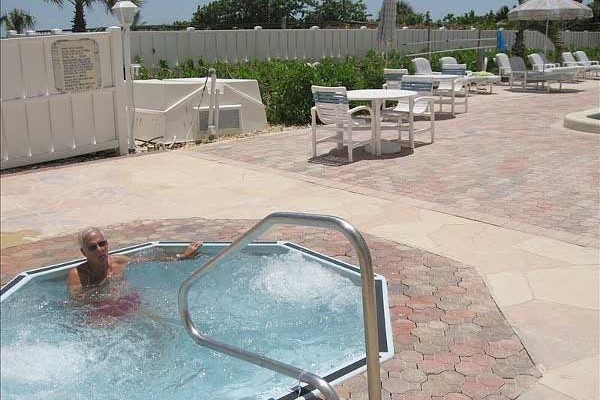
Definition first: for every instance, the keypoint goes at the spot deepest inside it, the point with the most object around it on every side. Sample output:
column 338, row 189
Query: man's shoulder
column 120, row 259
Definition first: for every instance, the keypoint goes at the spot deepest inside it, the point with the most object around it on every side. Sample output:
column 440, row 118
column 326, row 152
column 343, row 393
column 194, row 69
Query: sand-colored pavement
column 547, row 288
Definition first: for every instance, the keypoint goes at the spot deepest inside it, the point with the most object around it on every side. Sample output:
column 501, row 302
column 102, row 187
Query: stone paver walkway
column 509, row 158
column 451, row 340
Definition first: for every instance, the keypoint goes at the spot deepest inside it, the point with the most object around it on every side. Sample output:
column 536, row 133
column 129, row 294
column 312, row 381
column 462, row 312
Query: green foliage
column 226, row 14
column 338, row 11
column 18, row 20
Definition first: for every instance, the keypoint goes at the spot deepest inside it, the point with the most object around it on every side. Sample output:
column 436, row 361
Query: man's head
column 93, row 245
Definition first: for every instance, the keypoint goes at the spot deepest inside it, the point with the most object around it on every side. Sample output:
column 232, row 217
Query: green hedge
column 285, row 85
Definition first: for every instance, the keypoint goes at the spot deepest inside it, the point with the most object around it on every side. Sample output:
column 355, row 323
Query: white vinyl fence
column 61, row 96
column 235, row 46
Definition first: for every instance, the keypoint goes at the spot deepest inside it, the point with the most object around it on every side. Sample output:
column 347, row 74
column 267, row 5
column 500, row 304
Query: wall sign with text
column 76, row 65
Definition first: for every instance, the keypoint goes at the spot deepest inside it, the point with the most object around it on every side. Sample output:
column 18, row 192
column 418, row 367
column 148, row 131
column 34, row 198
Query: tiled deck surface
column 508, row 161
column 451, row 340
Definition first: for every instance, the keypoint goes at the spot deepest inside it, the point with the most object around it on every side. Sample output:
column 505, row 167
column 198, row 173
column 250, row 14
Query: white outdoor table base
column 377, row 97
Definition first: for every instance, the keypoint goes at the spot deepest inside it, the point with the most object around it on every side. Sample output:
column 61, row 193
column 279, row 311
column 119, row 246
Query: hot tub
column 585, row 121
column 277, row 299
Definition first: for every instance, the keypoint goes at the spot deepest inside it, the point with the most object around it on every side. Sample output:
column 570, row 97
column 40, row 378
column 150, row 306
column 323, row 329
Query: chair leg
column 314, row 140
column 350, row 143
column 432, row 122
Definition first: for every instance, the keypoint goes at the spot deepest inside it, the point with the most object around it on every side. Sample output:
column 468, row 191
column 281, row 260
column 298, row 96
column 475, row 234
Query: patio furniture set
column 413, row 95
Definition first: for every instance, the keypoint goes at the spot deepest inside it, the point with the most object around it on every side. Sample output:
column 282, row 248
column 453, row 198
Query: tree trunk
column 79, row 18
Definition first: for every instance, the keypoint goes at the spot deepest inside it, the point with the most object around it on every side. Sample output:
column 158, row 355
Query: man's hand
column 191, row 251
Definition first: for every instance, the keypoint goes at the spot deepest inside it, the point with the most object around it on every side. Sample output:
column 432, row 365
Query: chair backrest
column 448, row 60
column 517, row 64
column 485, row 63
column 536, row 61
column 393, row 77
column 422, row 85
column 545, row 59
column 331, row 103
column 503, row 62
column 421, row 65
column 455, row 69
column 567, row 57
column 582, row 57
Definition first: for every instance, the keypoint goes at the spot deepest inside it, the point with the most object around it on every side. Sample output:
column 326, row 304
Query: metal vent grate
column 229, row 117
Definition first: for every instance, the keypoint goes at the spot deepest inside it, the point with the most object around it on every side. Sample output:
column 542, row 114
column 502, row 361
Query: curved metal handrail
column 368, row 294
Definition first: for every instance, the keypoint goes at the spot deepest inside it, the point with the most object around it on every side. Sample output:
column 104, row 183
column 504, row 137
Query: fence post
column 258, row 31
column 190, row 32
column 429, row 43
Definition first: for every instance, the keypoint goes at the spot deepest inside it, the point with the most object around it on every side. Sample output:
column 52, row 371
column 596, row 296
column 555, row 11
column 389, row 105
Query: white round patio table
column 377, row 97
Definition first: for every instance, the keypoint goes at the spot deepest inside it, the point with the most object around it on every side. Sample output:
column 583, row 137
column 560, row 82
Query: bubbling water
column 284, row 306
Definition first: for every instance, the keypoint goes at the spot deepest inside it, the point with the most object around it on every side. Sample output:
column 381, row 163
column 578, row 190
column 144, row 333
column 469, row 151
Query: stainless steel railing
column 368, row 294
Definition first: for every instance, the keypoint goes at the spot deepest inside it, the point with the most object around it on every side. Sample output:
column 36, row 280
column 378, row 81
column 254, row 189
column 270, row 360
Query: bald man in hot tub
column 100, row 266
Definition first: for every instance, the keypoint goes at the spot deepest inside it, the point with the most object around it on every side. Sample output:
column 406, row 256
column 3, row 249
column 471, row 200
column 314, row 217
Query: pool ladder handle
column 368, row 295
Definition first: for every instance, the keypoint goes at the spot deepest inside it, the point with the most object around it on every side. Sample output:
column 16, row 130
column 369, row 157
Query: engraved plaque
column 76, row 65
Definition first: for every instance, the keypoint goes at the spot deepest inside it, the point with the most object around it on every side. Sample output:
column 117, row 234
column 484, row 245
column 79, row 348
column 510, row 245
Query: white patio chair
column 450, row 91
column 504, row 68
column 422, row 66
column 422, row 105
column 591, row 66
column 331, row 108
column 393, row 77
column 521, row 74
column 447, row 61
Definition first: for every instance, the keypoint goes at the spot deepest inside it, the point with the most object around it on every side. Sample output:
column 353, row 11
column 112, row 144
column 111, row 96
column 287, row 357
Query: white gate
column 61, row 96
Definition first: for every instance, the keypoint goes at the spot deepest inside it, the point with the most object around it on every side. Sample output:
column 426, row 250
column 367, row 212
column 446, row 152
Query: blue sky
column 165, row 11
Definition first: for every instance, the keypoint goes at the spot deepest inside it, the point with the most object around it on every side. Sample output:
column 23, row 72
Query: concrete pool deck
column 542, row 271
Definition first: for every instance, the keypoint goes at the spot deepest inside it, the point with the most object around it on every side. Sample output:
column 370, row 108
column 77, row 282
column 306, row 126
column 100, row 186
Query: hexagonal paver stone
column 478, row 390
column 464, row 349
column 452, row 377
column 490, row 380
column 409, row 355
column 414, row 376
column 470, row 368
column 437, row 387
column 433, row 366
column 395, row 385
column 504, row 348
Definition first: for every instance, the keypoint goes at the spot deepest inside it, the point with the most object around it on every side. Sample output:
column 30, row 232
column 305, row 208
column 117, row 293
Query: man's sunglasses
column 100, row 244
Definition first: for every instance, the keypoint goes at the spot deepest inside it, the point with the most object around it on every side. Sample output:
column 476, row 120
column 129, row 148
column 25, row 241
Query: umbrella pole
column 546, row 40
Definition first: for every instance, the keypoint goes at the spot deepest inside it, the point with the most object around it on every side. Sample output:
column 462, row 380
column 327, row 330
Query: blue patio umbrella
column 500, row 42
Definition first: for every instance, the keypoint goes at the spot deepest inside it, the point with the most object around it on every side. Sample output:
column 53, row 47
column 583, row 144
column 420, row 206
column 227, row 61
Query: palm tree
column 18, row 20
column 79, row 24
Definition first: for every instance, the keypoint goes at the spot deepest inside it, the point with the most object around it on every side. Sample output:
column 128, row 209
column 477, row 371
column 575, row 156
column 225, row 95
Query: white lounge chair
column 520, row 73
column 591, row 66
column 541, row 63
column 422, row 105
column 331, row 108
column 504, row 68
